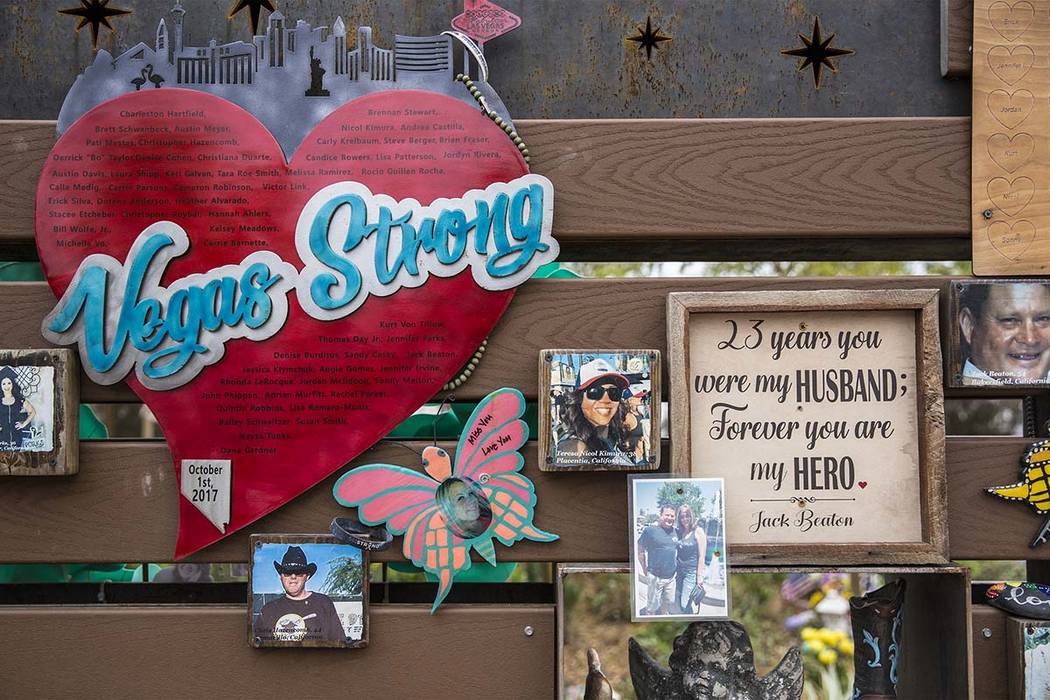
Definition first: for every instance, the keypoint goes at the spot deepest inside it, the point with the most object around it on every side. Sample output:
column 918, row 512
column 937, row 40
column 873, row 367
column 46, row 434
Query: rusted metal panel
column 570, row 59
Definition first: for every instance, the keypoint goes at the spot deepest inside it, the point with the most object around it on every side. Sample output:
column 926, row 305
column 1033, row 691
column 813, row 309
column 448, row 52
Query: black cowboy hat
column 294, row 562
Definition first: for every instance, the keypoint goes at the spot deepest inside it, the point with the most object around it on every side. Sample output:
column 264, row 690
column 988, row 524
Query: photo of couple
column 1002, row 333
column 678, row 556
column 603, row 410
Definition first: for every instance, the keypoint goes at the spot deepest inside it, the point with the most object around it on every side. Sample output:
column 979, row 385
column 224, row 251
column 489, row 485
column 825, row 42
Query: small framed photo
column 307, row 591
column 39, row 413
column 679, row 562
column 1000, row 333
column 599, row 410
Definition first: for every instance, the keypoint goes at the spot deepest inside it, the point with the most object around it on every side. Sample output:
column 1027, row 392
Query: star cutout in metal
column 254, row 7
column 648, row 39
column 817, row 53
column 96, row 13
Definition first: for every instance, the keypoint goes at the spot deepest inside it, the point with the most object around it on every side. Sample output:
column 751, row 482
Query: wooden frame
column 954, row 376
column 932, row 548
column 560, row 572
column 256, row 542
column 543, row 420
column 1017, row 666
column 936, row 607
column 63, row 458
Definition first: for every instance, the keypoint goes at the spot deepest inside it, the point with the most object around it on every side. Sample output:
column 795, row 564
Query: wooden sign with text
column 823, row 412
column 1011, row 163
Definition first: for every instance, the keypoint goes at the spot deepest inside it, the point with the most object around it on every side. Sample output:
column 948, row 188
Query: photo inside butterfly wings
column 446, row 512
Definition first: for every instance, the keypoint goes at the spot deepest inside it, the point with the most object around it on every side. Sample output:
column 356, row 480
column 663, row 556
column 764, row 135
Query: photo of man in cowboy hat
column 298, row 615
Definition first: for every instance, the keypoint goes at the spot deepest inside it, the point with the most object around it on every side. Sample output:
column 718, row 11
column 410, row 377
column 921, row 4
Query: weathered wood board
column 582, row 317
column 1011, row 151
column 199, row 651
column 124, row 502
column 988, row 636
column 781, row 185
column 956, row 33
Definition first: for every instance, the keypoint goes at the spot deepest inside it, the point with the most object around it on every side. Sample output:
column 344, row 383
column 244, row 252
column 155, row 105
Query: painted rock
column 1021, row 598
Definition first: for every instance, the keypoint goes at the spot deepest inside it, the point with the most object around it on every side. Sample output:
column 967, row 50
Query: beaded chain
column 472, row 364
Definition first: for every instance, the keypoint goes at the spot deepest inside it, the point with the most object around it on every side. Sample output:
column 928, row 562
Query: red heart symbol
column 292, row 409
column 862, row 484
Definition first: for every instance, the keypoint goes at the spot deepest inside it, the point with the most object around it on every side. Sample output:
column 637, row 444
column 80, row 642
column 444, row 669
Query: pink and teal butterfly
column 449, row 510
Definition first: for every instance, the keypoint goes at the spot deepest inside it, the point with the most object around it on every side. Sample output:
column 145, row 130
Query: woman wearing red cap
column 597, row 418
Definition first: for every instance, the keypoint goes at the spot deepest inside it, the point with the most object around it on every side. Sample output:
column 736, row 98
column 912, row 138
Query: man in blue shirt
column 658, row 562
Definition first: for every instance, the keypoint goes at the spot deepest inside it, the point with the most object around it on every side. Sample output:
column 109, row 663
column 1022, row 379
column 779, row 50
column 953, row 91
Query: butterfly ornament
column 455, row 507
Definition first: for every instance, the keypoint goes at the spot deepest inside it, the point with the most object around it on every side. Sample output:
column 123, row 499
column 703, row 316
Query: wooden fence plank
column 202, row 652
column 956, row 38
column 989, row 653
column 600, row 313
column 123, row 507
column 651, row 186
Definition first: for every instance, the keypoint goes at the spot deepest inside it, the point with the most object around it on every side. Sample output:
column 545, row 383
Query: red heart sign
column 289, row 409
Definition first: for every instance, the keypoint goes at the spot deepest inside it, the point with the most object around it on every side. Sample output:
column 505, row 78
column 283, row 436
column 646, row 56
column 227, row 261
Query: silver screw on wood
column 529, row 631
column 987, row 632
column 987, row 213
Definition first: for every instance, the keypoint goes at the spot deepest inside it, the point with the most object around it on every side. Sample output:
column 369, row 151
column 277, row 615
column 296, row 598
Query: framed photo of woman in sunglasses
column 599, row 410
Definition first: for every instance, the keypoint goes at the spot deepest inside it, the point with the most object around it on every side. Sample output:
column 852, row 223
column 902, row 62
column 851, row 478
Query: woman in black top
column 692, row 551
column 16, row 413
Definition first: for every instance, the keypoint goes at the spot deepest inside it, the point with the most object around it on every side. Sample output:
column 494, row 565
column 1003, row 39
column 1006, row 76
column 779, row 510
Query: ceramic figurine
column 877, row 618
column 834, row 611
column 596, row 680
column 713, row 660
column 1021, row 598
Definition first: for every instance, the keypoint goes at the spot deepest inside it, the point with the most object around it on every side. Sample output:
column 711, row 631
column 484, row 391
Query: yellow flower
column 827, row 657
column 829, row 637
column 846, row 647
column 808, row 633
column 816, row 646
column 816, row 598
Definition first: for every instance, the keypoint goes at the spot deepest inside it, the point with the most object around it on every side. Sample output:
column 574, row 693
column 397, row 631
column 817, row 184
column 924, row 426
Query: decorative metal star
column 817, row 53
column 648, row 39
column 1033, row 486
column 96, row 13
column 254, row 7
